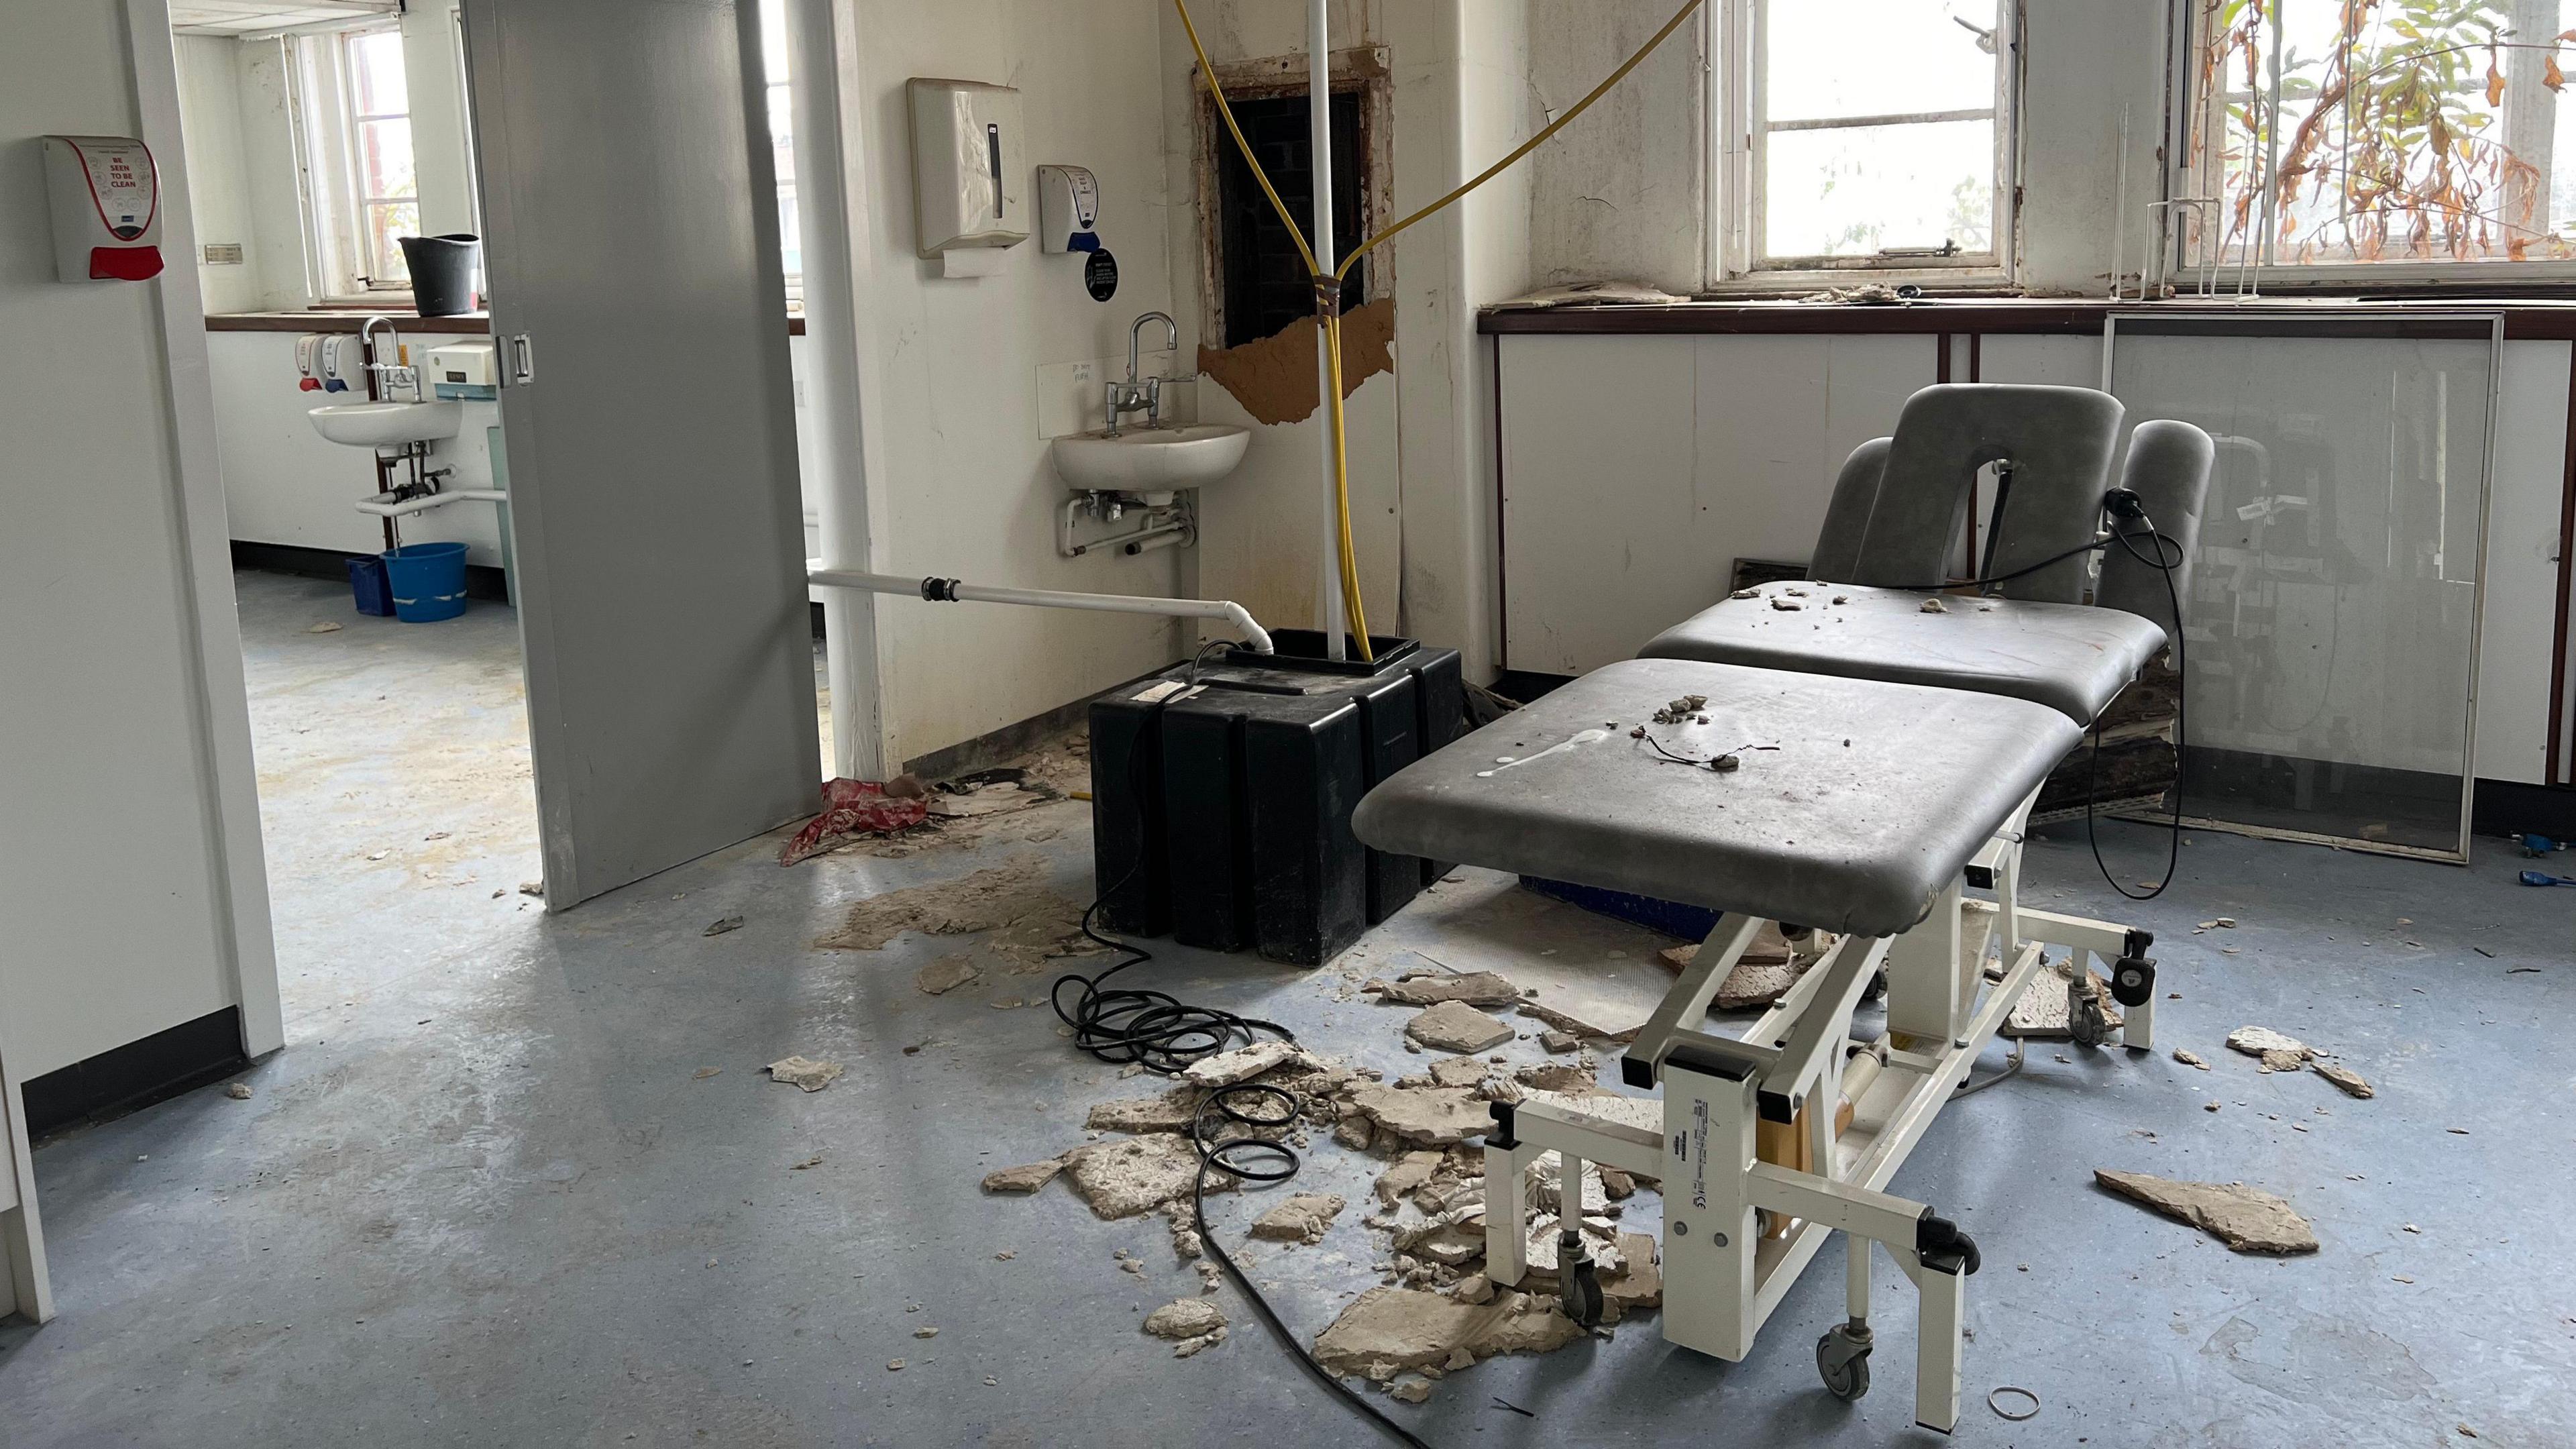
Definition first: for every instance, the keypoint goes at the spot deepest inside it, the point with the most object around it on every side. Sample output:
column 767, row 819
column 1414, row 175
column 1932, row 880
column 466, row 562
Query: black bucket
column 442, row 272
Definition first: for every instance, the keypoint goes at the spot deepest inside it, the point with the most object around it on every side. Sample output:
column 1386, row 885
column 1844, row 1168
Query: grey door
column 631, row 208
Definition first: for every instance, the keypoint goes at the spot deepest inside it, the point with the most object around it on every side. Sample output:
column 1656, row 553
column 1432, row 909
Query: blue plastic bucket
column 428, row 581
column 367, row 585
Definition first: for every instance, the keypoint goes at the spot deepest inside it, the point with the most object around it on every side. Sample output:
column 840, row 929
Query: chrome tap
column 389, row 375
column 1133, row 395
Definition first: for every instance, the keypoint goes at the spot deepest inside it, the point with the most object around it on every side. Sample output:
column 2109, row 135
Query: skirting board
column 482, row 581
column 137, row 1074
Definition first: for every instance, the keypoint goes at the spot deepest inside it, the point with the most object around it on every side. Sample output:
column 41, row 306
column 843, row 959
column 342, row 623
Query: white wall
column 969, row 490
column 218, row 179
column 114, row 872
column 1621, row 193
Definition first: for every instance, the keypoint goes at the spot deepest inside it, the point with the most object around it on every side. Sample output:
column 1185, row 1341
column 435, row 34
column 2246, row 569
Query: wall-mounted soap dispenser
column 969, row 197
column 1068, row 209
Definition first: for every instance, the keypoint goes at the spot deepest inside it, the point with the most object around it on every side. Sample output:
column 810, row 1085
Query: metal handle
column 521, row 366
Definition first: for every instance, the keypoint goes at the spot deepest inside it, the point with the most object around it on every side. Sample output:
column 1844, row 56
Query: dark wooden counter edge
column 470, row 325
column 2523, row 319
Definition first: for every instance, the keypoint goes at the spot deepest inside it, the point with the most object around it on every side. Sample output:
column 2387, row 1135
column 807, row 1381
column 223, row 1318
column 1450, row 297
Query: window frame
column 357, row 202
column 1361, row 70
column 2197, row 171
column 1738, row 149
column 323, row 131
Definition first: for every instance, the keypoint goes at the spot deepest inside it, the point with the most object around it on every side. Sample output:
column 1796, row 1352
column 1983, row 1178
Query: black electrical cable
column 2103, row 542
column 1164, row 1035
column 2182, row 718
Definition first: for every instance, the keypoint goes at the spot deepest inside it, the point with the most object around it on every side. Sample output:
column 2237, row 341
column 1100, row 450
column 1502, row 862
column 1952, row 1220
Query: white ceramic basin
column 387, row 424
column 1150, row 460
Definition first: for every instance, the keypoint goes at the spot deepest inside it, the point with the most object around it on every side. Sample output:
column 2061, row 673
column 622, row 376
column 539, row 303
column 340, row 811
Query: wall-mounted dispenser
column 969, row 200
column 465, row 371
column 1068, row 208
column 106, row 199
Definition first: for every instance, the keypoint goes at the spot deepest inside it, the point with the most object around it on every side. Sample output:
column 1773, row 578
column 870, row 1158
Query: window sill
column 334, row 319
column 2526, row 318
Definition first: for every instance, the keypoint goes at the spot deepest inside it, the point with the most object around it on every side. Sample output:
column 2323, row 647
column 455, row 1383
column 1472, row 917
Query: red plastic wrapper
column 853, row 808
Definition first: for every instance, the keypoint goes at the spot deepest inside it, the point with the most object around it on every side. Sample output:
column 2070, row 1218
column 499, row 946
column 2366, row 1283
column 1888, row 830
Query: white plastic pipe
column 427, row 501
column 1319, row 132
column 939, row 590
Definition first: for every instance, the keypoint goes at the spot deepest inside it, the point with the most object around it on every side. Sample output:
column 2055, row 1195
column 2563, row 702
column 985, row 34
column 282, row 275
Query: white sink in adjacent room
column 1150, row 460
column 387, row 424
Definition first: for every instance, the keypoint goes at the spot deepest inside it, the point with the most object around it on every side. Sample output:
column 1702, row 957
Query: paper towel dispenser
column 969, row 186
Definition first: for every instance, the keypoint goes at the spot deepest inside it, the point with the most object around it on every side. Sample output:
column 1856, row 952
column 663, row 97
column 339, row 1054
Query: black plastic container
column 442, row 272
column 1221, row 808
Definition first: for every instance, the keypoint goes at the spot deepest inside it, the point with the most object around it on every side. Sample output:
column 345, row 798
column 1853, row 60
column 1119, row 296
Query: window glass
column 2411, row 131
column 384, row 184
column 1876, row 138
column 782, row 135
column 1879, row 57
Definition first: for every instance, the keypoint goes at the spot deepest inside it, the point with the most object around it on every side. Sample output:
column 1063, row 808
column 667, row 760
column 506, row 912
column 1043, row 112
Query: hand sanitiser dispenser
column 106, row 200
column 1068, row 209
column 969, row 188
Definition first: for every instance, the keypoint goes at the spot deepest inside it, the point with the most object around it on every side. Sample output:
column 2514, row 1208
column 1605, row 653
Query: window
column 2326, row 134
column 383, row 191
column 782, row 141
column 1866, row 134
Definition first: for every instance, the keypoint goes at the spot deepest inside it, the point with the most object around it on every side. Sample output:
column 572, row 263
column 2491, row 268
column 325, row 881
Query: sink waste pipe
column 955, row 591
column 1329, row 277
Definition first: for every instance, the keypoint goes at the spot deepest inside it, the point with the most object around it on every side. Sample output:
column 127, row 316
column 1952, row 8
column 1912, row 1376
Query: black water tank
column 1221, row 801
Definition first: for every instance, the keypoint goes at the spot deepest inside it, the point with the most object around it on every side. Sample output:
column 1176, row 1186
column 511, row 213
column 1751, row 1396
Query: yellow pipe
column 1329, row 319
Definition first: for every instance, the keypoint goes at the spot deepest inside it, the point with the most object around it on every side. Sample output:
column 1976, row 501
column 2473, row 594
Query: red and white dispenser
column 106, row 198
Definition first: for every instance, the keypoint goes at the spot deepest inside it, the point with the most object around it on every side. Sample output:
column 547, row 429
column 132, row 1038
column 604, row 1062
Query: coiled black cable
column 1164, row 1035
column 2182, row 717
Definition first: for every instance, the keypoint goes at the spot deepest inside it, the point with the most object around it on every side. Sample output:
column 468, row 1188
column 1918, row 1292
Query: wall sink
column 387, row 424
column 1150, row 460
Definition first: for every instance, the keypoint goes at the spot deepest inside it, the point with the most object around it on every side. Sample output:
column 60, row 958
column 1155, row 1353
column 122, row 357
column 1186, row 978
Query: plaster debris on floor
column 1454, row 1026
column 1023, row 920
column 804, row 1072
column 2246, row 1219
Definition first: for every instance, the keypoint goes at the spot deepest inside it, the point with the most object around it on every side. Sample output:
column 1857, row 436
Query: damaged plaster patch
column 1454, row 1026
column 1170, row 1112
column 1185, row 1318
column 805, row 1072
column 1429, row 988
column 1133, row 1177
column 1387, row 1330
column 1024, row 1179
column 945, row 974
column 1241, row 1065
column 1274, row 378
column 2246, row 1219
column 1432, row 1116
column 1303, row 1218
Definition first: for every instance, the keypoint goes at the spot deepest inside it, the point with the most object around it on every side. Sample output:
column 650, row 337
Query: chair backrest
column 2168, row 468
column 2059, row 441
